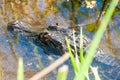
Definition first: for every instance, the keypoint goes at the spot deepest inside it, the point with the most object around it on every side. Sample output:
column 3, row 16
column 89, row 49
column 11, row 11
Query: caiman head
column 23, row 28
column 43, row 38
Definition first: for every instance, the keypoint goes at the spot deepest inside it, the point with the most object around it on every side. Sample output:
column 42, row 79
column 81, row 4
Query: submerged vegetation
column 39, row 13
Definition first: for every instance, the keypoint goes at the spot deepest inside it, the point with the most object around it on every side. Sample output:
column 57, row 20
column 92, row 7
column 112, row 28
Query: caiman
column 52, row 40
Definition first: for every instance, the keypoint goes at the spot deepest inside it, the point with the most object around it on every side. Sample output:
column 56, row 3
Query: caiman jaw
column 17, row 27
column 14, row 26
column 52, row 37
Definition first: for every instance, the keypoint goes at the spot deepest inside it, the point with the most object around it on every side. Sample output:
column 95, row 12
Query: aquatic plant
column 82, row 71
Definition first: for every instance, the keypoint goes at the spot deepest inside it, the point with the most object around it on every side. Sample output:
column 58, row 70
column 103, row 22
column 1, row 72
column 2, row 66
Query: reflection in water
column 41, row 13
column 28, row 10
column 112, row 38
column 36, row 12
column 109, row 42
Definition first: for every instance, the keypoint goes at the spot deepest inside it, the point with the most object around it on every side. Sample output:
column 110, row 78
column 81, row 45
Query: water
column 43, row 13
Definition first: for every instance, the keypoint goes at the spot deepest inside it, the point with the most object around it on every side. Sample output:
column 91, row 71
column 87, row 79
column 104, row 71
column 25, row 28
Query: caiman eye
column 43, row 35
column 46, row 33
column 52, row 28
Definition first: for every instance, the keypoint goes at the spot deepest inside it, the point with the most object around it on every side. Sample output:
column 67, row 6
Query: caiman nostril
column 10, row 27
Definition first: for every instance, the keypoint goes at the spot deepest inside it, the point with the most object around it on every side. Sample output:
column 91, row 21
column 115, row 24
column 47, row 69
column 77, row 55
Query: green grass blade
column 75, row 51
column 81, row 46
column 91, row 51
column 62, row 73
column 20, row 73
column 95, row 72
column 71, row 56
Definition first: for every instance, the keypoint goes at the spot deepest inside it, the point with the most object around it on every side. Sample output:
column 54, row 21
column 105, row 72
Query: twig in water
column 51, row 67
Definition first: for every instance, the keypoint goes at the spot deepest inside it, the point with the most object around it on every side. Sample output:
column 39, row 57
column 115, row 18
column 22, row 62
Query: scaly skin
column 53, row 38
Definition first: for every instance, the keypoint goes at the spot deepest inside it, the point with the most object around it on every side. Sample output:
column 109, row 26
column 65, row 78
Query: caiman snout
column 15, row 26
column 18, row 27
column 11, row 26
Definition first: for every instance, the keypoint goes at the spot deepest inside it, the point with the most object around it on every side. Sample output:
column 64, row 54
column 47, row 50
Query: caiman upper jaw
column 17, row 27
column 14, row 26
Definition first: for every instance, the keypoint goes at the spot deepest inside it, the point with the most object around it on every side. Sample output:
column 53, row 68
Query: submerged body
column 51, row 36
column 52, row 40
